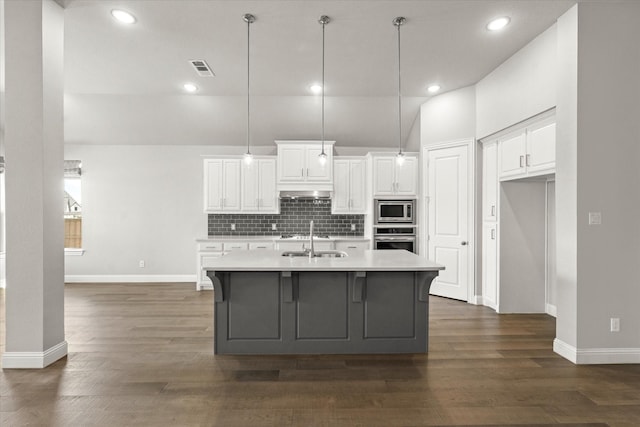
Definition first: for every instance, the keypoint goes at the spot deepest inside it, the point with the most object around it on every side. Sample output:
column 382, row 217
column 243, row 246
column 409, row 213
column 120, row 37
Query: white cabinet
column 221, row 185
column 490, row 264
column 298, row 163
column 300, row 245
column 528, row 152
column 392, row 179
column 490, row 181
column 349, row 186
column 259, row 186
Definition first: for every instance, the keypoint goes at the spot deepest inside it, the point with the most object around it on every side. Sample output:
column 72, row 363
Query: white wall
column 521, row 87
column 448, row 117
column 141, row 202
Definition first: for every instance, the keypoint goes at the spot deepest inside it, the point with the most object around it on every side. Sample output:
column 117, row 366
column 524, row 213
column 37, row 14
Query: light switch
column 595, row 218
column 233, row 227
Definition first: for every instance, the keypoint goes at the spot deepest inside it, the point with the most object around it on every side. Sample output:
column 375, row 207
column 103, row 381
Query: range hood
column 305, row 194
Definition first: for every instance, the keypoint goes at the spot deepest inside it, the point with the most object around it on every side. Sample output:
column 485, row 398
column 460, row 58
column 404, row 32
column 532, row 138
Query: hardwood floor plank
column 142, row 355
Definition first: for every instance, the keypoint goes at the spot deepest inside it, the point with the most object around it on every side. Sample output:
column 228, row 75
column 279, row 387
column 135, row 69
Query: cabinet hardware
column 302, row 172
column 493, row 210
column 521, row 161
column 528, row 159
column 352, row 247
column 464, row 243
column 493, row 234
column 307, row 172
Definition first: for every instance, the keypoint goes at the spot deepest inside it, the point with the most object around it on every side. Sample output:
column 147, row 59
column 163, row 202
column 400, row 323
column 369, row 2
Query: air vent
column 202, row 68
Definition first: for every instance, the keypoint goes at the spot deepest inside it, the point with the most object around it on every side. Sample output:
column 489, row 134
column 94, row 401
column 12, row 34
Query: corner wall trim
column 596, row 356
column 129, row 278
column 34, row 359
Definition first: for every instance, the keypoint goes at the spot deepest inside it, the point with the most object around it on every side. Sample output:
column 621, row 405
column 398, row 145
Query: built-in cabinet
column 528, row 152
column 259, row 186
column 298, row 163
column 515, row 167
column 393, row 179
column 222, row 185
column 349, row 187
column 231, row 186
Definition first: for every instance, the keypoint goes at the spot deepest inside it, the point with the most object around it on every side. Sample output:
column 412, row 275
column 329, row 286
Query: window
column 72, row 204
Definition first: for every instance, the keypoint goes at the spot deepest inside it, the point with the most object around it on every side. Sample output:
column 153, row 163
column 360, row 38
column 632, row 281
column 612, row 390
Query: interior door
column 448, row 219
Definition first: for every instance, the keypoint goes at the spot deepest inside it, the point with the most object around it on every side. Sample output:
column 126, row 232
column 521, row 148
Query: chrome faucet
column 312, row 253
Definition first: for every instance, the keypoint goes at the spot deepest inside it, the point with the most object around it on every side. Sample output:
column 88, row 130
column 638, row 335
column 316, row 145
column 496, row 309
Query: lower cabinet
column 266, row 312
column 490, row 264
column 352, row 247
column 300, row 245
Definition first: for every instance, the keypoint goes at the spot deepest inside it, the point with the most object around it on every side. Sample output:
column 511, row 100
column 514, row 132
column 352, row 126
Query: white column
column 34, row 144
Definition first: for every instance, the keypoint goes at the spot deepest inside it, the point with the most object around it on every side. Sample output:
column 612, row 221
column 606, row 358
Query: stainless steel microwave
column 395, row 211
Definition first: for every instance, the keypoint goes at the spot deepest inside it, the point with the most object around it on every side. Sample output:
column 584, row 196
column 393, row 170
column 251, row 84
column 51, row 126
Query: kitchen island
column 369, row 302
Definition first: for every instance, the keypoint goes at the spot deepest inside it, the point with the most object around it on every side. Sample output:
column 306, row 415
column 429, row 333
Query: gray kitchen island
column 368, row 302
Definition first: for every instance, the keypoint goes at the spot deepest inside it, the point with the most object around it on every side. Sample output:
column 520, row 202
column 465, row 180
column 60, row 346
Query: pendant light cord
column 323, row 24
column 398, row 23
column 248, row 86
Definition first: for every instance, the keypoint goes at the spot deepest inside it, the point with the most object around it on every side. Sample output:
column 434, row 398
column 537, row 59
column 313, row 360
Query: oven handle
column 396, row 239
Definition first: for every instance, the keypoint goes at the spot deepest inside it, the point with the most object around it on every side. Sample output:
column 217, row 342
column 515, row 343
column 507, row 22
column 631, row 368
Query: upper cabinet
column 230, row 186
column 222, row 185
column 259, row 186
column 299, row 165
column 528, row 152
column 349, row 185
column 392, row 179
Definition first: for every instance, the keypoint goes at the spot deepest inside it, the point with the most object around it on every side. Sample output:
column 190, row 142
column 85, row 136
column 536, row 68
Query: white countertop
column 369, row 260
column 277, row 238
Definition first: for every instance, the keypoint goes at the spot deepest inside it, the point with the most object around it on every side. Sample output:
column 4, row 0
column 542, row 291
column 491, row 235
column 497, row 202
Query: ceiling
column 123, row 84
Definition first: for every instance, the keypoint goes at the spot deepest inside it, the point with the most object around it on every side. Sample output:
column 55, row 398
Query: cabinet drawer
column 235, row 246
column 352, row 246
column 209, row 246
column 261, row 245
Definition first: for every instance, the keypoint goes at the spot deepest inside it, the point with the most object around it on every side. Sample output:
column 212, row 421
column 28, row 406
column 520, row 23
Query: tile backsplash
column 294, row 218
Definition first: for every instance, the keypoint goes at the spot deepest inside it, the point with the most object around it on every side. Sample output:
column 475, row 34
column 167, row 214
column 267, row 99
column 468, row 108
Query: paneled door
column 449, row 214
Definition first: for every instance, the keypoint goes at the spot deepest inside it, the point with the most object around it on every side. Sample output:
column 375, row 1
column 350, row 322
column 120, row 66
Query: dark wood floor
column 141, row 354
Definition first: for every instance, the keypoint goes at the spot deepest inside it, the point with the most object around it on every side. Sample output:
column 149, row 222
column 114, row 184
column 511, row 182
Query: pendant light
column 248, row 158
column 322, row 157
column 398, row 22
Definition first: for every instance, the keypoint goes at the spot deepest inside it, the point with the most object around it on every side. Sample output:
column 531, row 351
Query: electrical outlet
column 233, row 227
column 353, row 227
column 595, row 218
column 274, row 227
column 615, row 324
column 141, row 263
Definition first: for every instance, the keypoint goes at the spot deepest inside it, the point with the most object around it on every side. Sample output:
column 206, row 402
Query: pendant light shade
column 248, row 157
column 322, row 157
column 398, row 22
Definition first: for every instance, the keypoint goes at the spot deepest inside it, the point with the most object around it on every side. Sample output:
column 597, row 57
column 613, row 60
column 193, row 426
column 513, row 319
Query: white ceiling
column 123, row 84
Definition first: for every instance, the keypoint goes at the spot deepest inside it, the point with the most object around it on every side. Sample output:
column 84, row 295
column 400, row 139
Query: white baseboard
column 551, row 310
column 596, row 356
column 3, row 269
column 3, row 283
column 128, row 278
column 476, row 300
column 34, row 359
column 204, row 287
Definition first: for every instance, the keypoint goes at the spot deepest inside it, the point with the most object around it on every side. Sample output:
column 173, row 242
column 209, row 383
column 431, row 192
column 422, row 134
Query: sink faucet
column 311, row 251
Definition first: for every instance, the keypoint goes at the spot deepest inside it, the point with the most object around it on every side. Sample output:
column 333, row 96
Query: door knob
column 463, row 243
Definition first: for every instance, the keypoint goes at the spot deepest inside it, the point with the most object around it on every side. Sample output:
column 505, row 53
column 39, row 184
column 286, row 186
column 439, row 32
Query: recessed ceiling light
column 123, row 16
column 498, row 23
column 190, row 87
column 433, row 88
column 315, row 88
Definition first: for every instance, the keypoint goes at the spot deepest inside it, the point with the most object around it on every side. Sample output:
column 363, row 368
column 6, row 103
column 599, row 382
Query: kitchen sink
column 319, row 254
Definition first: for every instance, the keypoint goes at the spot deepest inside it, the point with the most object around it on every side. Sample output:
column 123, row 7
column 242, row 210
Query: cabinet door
column 541, row 148
column 490, row 265
column 352, row 247
column 383, row 176
column 407, row 177
column 315, row 172
column 357, row 184
column 231, row 185
column 250, row 186
column 341, row 195
column 490, row 181
column 512, row 155
column 268, row 196
column 206, row 259
column 213, row 185
column 291, row 165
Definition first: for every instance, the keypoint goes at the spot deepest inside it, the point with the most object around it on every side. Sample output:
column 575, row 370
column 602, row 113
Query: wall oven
column 394, row 211
column 395, row 238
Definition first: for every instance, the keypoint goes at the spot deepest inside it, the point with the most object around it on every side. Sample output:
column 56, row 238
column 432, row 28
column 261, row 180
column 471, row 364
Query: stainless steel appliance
column 390, row 237
column 394, row 211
